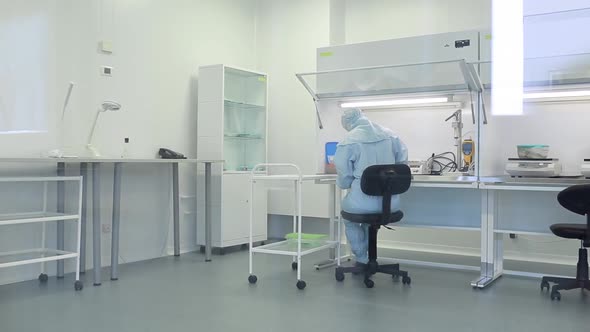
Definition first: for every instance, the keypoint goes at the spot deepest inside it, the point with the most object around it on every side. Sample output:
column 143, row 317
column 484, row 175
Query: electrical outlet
column 106, row 71
column 106, row 228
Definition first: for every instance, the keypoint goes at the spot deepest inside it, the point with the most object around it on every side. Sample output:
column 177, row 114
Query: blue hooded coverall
column 366, row 144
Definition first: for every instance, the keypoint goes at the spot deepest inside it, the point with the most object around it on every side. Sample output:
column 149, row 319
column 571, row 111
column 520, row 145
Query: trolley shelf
column 35, row 217
column 294, row 247
column 32, row 256
column 42, row 254
column 289, row 247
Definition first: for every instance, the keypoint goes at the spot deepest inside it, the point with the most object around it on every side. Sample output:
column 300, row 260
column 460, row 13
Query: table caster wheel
column 406, row 280
column 294, row 266
column 301, row 284
column 369, row 283
column 252, row 279
column 555, row 296
column 78, row 285
column 339, row 275
column 544, row 285
column 43, row 278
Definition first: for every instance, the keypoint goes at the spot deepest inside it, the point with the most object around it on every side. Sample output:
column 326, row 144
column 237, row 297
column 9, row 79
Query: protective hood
column 361, row 130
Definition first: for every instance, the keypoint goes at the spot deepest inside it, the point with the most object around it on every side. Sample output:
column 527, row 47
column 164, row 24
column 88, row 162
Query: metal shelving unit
column 43, row 255
column 296, row 248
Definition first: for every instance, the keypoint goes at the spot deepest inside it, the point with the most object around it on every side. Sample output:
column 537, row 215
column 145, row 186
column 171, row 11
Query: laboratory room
column 294, row 165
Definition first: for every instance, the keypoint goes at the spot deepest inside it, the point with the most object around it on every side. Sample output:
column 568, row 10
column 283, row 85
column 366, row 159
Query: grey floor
column 188, row 294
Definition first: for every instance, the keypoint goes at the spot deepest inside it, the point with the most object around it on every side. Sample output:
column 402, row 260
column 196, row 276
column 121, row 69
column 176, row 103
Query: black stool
column 385, row 181
column 577, row 200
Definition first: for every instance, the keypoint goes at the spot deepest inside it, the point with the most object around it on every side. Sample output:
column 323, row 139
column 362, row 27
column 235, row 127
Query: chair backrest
column 386, row 181
column 577, row 199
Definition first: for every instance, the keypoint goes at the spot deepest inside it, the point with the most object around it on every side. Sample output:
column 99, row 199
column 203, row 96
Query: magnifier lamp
column 105, row 107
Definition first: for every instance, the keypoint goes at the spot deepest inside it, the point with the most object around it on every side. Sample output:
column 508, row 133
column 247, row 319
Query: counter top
column 488, row 182
column 430, row 181
column 533, row 184
column 103, row 160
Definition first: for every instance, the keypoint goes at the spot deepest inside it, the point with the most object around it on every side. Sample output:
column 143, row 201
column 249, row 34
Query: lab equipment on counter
column 458, row 133
column 105, row 107
column 441, row 163
column 533, row 151
column 420, row 167
column 329, row 166
column 468, row 150
column 60, row 153
column 523, row 167
column 169, row 154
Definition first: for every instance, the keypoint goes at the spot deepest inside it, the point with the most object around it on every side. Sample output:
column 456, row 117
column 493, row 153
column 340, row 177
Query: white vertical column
column 337, row 22
column 507, row 57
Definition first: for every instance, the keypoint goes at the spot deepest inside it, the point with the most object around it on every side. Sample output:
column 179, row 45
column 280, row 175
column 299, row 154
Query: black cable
column 443, row 162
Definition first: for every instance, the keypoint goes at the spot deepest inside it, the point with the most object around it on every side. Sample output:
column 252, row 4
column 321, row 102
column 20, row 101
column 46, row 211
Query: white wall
column 370, row 20
column 158, row 47
column 289, row 32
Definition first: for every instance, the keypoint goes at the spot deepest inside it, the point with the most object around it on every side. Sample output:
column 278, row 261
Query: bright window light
column 556, row 94
column 24, row 69
column 507, row 57
column 394, row 102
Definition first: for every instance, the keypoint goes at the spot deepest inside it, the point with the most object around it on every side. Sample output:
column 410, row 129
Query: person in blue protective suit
column 365, row 144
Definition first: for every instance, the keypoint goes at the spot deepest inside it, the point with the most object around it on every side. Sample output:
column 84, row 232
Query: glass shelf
column 432, row 77
column 230, row 104
column 289, row 247
column 244, row 144
column 243, row 137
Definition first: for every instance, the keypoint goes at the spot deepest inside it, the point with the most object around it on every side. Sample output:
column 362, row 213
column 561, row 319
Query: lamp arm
column 91, row 134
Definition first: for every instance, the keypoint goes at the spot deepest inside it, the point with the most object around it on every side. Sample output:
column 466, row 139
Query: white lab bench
column 495, row 225
column 489, row 226
column 96, row 218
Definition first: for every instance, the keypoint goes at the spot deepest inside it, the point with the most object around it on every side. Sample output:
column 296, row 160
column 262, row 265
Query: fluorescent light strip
column 557, row 94
column 394, row 102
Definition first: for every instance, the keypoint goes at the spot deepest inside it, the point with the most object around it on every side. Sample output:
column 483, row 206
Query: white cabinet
column 231, row 126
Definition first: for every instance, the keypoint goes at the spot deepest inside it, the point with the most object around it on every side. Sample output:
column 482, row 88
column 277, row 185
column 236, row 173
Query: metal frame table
column 96, row 218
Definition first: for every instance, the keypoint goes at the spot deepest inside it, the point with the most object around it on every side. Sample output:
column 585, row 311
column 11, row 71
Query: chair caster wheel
column 406, row 280
column 395, row 278
column 369, row 283
column 294, row 266
column 301, row 284
column 43, row 278
column 555, row 296
column 544, row 285
column 78, row 285
column 339, row 275
column 252, row 279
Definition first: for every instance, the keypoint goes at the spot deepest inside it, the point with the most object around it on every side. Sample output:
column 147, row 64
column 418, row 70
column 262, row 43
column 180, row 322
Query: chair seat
column 570, row 231
column 372, row 218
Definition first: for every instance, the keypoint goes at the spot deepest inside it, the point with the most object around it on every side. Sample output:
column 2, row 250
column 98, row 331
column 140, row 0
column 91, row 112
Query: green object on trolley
column 306, row 237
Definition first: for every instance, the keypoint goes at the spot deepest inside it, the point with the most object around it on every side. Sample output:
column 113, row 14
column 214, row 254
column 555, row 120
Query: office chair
column 385, row 181
column 577, row 200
